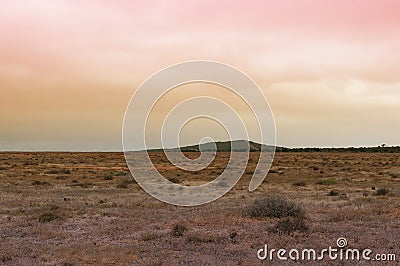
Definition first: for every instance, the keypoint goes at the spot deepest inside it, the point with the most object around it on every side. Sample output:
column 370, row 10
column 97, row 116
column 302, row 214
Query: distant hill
column 244, row 145
column 238, row 145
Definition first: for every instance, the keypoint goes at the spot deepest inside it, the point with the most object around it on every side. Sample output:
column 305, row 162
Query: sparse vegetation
column 5, row 258
column 52, row 213
column 52, row 172
column 82, row 185
column 48, row 217
column 290, row 225
column 233, row 237
column 382, row 192
column 333, row 193
column 394, row 175
column 39, row 183
column 149, row 236
column 174, row 180
column 204, row 238
column 105, row 225
column 124, row 183
column 299, row 184
column 121, row 173
column 58, row 171
column 178, row 230
column 108, row 177
column 327, row 182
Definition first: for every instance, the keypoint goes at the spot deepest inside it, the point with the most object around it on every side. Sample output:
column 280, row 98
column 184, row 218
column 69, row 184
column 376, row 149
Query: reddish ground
column 83, row 208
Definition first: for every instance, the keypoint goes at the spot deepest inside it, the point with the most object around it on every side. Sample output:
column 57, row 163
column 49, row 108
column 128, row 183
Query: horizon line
column 160, row 149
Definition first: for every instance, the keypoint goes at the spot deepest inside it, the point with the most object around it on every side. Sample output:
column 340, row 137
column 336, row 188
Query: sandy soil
column 84, row 208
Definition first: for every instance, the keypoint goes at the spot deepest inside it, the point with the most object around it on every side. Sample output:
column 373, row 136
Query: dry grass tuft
column 290, row 225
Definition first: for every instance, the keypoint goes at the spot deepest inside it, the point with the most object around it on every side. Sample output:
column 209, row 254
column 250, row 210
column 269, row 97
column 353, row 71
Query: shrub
column 394, row 175
column 83, row 185
column 5, row 258
column 108, row 177
column 148, row 236
column 327, row 182
column 52, row 172
column 289, row 225
column 174, row 180
column 39, row 183
column 204, row 238
column 58, row 171
column 333, row 193
column 276, row 207
column 49, row 216
column 299, row 184
column 124, row 183
column 121, row 173
column 178, row 230
column 232, row 237
column 382, row 192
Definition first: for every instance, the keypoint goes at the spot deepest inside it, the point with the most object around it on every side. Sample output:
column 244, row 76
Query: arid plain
column 85, row 208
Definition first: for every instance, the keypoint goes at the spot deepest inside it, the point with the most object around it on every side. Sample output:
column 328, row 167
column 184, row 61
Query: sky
column 329, row 69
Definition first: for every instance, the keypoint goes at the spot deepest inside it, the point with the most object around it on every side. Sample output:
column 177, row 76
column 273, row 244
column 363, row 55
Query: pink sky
column 330, row 69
